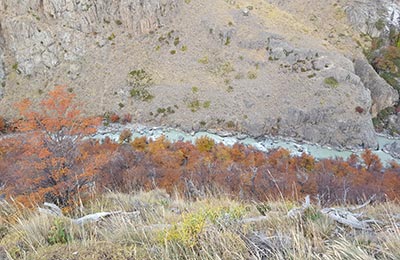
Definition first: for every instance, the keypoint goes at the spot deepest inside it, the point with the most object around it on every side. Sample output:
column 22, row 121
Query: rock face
column 393, row 149
column 42, row 34
column 2, row 69
column 373, row 17
column 211, row 65
column 383, row 95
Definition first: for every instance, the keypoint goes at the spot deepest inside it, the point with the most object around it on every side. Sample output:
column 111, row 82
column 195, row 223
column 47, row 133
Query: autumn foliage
column 50, row 160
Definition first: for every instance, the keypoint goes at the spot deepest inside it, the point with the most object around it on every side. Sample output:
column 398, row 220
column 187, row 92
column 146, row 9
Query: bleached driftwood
column 54, row 210
column 299, row 211
column 343, row 216
column 51, row 209
column 253, row 220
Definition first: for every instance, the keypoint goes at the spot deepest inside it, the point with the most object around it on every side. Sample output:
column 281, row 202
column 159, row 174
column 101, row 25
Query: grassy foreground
column 214, row 227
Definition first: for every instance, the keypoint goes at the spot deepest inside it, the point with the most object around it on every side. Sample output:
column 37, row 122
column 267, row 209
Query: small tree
column 53, row 166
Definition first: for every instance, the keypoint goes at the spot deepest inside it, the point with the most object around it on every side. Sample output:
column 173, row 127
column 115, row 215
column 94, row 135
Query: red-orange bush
column 50, row 164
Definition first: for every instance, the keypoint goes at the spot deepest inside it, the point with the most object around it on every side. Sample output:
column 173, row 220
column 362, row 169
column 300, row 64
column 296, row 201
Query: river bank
column 263, row 144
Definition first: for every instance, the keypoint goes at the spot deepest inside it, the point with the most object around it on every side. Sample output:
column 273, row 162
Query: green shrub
column 251, row 75
column 331, row 82
column 203, row 60
column 195, row 90
column 205, row 144
column 111, row 37
column 206, row 104
column 176, row 41
column 194, row 105
column 140, row 81
column 228, row 41
column 58, row 233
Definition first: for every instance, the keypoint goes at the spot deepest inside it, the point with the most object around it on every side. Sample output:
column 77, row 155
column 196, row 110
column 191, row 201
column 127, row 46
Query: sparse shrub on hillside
column 251, row 75
column 194, row 105
column 111, row 37
column 204, row 60
column 140, row 81
column 207, row 104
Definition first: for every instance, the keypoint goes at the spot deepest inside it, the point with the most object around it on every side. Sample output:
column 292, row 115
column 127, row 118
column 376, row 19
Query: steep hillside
column 261, row 67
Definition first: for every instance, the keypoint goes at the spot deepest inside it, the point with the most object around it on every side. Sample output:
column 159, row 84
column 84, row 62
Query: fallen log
column 54, row 210
column 343, row 216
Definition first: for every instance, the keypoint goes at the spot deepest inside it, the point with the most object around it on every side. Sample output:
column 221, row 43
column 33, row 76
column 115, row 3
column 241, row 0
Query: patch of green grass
column 165, row 111
column 141, row 94
column 58, row 233
column 207, row 104
column 184, row 48
column 173, row 52
column 251, row 75
column 176, row 41
column 111, row 37
column 194, row 105
column 224, row 69
column 195, row 90
column 227, row 41
column 140, row 81
column 311, row 76
column 230, row 124
column 331, row 82
column 203, row 60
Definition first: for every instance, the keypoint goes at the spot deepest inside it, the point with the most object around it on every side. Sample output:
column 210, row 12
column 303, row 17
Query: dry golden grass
column 170, row 227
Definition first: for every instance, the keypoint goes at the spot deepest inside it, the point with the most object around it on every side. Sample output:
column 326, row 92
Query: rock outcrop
column 383, row 95
column 393, row 149
column 2, row 68
column 373, row 17
column 42, row 34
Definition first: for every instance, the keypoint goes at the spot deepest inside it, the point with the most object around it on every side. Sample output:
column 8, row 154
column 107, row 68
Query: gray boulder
column 383, row 95
column 393, row 149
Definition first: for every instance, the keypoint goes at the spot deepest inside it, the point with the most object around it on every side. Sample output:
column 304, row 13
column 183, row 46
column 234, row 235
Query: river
column 296, row 148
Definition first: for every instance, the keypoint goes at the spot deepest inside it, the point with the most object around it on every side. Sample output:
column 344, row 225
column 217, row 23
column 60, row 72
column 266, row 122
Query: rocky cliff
column 266, row 67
